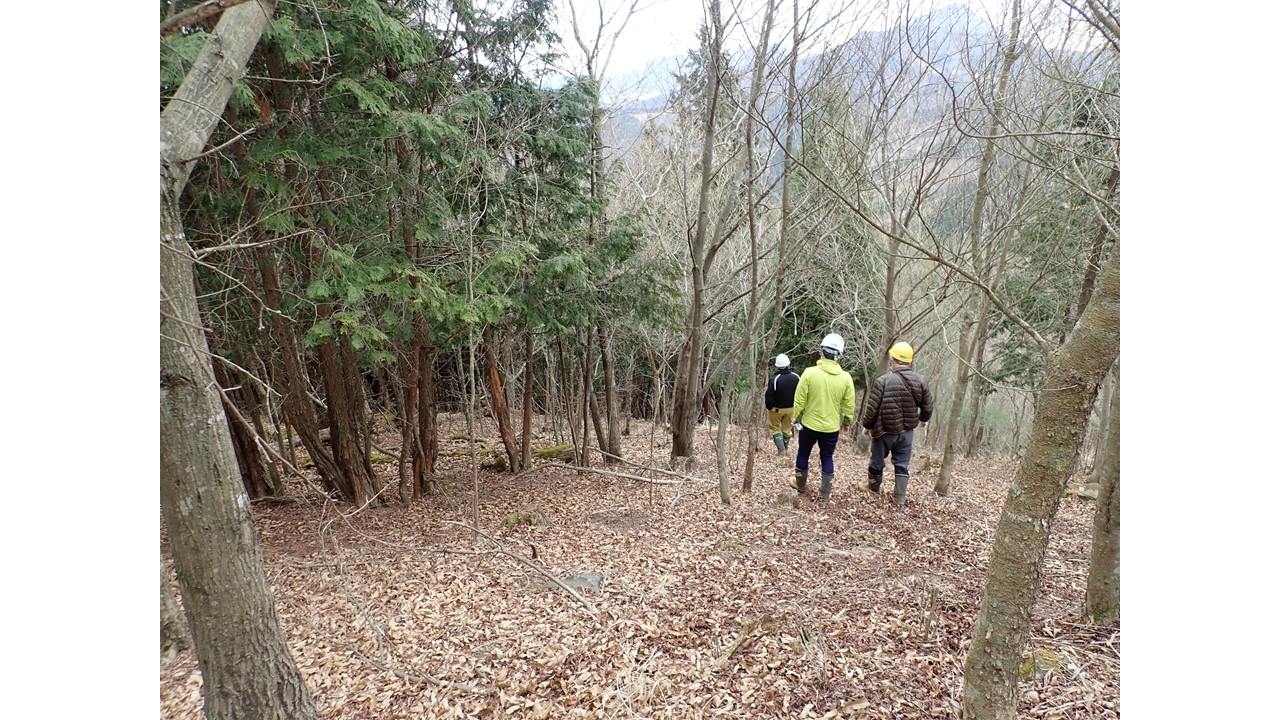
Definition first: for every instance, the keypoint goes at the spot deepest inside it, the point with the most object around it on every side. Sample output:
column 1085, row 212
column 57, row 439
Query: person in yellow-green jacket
column 823, row 407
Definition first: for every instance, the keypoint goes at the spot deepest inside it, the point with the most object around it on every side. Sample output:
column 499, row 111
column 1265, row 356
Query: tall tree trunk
column 588, row 398
column 501, row 411
column 1101, row 441
column 688, row 381
column 982, row 388
column 722, row 452
column 942, row 485
column 967, row 351
column 526, row 414
column 253, row 471
column 761, row 370
column 612, row 408
column 245, row 664
column 1099, row 244
column 686, row 387
column 427, row 446
column 567, row 391
column 297, row 405
column 345, row 420
column 1070, row 387
column 596, row 420
column 409, row 461
column 1102, row 599
column 747, row 348
column 344, row 395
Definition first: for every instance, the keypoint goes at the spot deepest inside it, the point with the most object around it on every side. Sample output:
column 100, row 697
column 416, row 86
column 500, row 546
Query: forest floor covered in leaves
column 852, row 608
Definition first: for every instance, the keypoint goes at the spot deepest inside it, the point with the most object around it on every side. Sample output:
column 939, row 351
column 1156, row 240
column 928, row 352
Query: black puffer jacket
column 899, row 401
column 781, row 392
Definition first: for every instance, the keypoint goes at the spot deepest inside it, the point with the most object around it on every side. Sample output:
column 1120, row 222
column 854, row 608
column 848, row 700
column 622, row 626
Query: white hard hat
column 834, row 343
column 782, row 361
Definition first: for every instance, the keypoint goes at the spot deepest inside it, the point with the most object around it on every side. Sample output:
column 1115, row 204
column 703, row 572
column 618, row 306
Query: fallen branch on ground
column 526, row 561
column 651, row 468
column 751, row 631
column 406, row 675
column 640, row 478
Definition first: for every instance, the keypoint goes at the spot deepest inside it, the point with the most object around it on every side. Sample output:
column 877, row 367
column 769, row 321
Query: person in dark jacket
column 899, row 402
column 779, row 397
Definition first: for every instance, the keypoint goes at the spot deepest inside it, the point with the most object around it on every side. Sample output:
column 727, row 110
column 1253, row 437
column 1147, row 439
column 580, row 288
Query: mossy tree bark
column 246, row 666
column 1102, row 599
column 1071, row 385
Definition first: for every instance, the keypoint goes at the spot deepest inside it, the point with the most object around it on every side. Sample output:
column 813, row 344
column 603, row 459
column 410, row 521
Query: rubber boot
column 801, row 480
column 777, row 441
column 900, row 489
column 871, row 484
column 826, row 485
column 786, row 442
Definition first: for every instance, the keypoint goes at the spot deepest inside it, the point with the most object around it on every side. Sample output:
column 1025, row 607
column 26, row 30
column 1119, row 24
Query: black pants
column 826, row 442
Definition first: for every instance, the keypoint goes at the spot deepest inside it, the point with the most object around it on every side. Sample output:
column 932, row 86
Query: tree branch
column 203, row 11
column 525, row 561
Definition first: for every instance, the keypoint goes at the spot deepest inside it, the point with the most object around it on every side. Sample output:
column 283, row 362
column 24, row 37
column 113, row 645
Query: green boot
column 801, row 480
column 777, row 441
column 900, row 489
column 826, row 485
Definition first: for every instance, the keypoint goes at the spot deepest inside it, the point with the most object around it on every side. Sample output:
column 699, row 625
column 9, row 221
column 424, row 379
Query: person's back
column 824, row 404
column 899, row 402
column 779, row 398
column 822, row 390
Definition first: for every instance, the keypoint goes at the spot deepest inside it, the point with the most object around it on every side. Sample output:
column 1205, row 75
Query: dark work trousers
column 826, row 442
column 897, row 446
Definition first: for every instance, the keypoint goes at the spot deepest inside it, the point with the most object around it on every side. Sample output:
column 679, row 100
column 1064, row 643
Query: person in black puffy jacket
column 898, row 402
column 779, row 397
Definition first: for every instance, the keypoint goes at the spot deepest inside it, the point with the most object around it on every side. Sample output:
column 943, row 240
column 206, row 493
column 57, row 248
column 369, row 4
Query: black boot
column 900, row 489
column 826, row 485
column 800, row 481
column 871, row 485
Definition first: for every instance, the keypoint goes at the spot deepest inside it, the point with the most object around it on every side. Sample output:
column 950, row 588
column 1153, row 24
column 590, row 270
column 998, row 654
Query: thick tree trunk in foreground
column 1070, row 387
column 247, row 669
column 1102, row 600
column 246, row 666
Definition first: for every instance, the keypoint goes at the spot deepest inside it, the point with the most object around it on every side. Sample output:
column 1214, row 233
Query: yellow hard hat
column 902, row 352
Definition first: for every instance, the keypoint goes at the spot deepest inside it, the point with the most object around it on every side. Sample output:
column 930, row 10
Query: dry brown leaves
column 850, row 609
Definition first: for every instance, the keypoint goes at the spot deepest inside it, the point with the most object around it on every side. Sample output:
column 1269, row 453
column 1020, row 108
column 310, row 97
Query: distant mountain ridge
column 636, row 96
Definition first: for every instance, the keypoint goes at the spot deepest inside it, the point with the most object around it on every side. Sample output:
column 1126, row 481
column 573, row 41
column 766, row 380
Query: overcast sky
column 662, row 28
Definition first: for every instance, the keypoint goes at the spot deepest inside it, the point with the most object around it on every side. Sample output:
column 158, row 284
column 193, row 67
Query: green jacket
column 824, row 397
